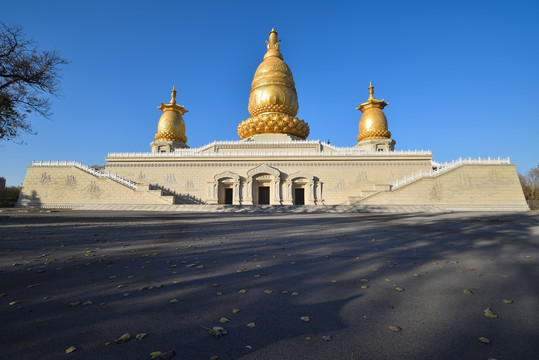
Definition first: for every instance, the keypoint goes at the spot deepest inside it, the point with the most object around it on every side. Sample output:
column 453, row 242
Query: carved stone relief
column 436, row 191
column 45, row 178
column 71, row 180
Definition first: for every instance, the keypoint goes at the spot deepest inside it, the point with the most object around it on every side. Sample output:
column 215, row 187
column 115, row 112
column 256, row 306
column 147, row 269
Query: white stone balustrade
column 89, row 170
column 441, row 168
column 327, row 150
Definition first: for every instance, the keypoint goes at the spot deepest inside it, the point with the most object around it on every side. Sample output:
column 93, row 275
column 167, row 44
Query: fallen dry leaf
column 123, row 338
column 399, row 289
column 326, row 337
column 235, row 311
column 155, row 355
column 242, row 291
column 490, row 314
column 467, row 292
column 394, row 328
column 173, row 301
column 304, row 318
column 141, row 336
column 484, row 340
column 268, row 291
column 251, row 325
column 507, row 301
column 216, row 331
column 70, row 349
column 223, row 320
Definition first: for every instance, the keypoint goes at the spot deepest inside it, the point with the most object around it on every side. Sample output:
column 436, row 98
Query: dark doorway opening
column 228, row 196
column 263, row 195
column 299, row 196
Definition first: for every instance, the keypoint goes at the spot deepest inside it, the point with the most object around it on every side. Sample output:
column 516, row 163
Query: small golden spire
column 171, row 126
column 273, row 45
column 373, row 122
column 173, row 95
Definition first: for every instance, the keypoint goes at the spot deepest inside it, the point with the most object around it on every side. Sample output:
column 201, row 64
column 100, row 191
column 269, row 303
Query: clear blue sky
column 461, row 77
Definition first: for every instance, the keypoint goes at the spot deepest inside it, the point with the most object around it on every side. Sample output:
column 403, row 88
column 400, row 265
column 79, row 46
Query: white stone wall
column 68, row 185
column 337, row 178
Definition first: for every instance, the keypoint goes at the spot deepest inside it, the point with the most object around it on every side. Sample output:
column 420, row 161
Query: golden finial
column 371, row 91
column 273, row 42
column 173, row 95
column 273, row 45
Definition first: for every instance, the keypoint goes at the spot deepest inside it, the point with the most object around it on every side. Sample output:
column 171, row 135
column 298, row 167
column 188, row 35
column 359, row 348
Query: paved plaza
column 284, row 285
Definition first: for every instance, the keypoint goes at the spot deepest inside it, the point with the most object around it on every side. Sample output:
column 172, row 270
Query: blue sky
column 461, row 77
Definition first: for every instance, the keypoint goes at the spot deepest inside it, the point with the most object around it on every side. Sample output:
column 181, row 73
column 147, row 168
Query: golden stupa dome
column 171, row 126
column 373, row 122
column 273, row 102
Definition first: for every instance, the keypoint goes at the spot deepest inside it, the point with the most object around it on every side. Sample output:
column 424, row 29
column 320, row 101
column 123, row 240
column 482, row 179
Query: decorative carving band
column 169, row 136
column 374, row 134
column 273, row 108
column 273, row 123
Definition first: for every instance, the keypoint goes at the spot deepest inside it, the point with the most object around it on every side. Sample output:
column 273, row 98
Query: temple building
column 274, row 163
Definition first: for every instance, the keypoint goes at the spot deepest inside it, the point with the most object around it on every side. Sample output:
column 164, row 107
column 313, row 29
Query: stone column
column 236, row 200
column 287, row 196
column 249, row 191
column 277, row 191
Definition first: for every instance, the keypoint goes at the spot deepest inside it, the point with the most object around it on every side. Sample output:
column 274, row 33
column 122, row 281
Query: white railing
column 89, row 170
column 440, row 168
column 328, row 150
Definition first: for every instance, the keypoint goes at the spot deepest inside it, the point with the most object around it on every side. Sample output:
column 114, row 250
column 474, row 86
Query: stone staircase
column 367, row 190
column 160, row 193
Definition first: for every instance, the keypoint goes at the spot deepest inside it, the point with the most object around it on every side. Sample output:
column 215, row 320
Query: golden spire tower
column 273, row 101
column 373, row 130
column 171, row 127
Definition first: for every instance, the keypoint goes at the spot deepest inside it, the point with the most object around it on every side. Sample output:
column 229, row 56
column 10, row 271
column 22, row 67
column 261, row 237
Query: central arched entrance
column 264, row 185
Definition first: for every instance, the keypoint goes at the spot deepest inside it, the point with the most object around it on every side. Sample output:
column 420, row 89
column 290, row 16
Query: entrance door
column 228, row 196
column 299, row 196
column 263, row 195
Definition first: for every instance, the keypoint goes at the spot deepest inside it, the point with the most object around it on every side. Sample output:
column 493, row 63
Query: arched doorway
column 264, row 185
column 301, row 189
column 227, row 187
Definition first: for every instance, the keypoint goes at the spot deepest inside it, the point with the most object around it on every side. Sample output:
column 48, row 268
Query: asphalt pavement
column 282, row 285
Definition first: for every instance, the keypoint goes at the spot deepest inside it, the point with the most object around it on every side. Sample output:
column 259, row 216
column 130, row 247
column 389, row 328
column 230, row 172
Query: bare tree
column 530, row 184
column 27, row 76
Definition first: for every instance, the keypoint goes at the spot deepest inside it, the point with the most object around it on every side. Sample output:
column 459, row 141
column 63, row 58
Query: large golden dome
column 273, row 102
column 171, row 126
column 373, row 122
